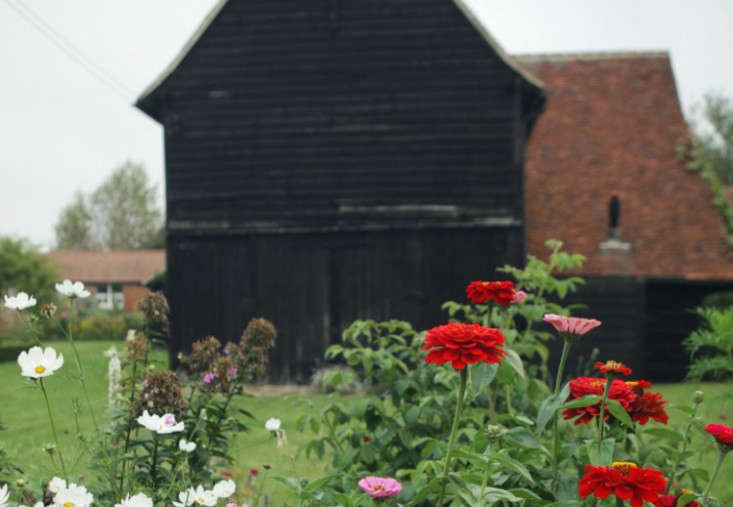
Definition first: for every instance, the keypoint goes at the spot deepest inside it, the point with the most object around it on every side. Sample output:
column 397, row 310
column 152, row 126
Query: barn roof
column 214, row 12
column 112, row 266
column 611, row 124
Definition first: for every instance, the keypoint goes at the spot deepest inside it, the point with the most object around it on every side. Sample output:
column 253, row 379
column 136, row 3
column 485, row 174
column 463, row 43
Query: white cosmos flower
column 204, row 496
column 20, row 302
column 139, row 500
column 37, row 362
column 56, row 484
column 185, row 498
column 4, row 495
column 186, row 446
column 161, row 424
column 272, row 424
column 224, row 489
column 72, row 289
column 73, row 496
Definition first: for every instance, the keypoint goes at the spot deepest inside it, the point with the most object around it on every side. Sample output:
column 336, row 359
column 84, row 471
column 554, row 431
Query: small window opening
column 614, row 213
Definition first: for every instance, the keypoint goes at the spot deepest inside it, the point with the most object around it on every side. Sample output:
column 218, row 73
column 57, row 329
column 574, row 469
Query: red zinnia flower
column 722, row 434
column 366, row 439
column 613, row 367
column 463, row 344
column 253, row 471
column 485, row 292
column 624, row 480
column 648, row 405
column 585, row 386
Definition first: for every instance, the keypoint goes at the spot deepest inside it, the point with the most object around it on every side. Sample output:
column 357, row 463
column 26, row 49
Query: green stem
column 80, row 368
column 721, row 457
column 129, row 427
column 486, row 475
column 673, row 475
column 555, row 434
column 53, row 429
column 453, row 432
column 153, row 469
column 604, row 399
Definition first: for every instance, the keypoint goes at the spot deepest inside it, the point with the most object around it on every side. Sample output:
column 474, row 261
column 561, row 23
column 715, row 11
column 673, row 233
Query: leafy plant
column 711, row 345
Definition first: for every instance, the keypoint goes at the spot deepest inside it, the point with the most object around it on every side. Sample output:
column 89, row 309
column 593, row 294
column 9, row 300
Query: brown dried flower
column 155, row 308
column 160, row 394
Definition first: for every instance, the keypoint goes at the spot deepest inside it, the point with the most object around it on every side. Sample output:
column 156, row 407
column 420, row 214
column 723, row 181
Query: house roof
column 112, row 266
column 611, row 125
column 466, row 9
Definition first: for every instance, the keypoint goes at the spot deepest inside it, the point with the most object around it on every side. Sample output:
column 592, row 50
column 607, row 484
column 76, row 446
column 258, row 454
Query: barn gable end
column 331, row 160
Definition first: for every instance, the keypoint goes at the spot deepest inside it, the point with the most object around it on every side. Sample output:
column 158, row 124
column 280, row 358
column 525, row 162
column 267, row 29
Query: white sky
column 62, row 131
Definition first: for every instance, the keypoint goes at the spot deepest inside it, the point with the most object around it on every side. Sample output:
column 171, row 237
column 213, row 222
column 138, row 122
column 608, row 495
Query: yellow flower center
column 632, row 383
column 66, row 504
column 623, row 466
column 201, row 500
column 685, row 491
column 39, row 370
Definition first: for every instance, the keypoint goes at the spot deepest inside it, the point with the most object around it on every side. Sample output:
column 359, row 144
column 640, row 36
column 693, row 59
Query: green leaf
column 619, row 412
column 584, row 401
column 549, row 406
column 515, row 362
column 481, row 376
column 665, row 433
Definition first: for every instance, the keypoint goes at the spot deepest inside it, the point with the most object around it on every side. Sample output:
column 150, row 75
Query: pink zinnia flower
column 519, row 296
column 380, row 487
column 571, row 325
column 208, row 378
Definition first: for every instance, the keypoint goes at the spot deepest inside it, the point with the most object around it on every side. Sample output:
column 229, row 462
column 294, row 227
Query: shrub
column 711, row 345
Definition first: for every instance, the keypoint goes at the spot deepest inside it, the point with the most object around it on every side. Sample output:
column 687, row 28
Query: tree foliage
column 710, row 151
column 122, row 213
column 22, row 268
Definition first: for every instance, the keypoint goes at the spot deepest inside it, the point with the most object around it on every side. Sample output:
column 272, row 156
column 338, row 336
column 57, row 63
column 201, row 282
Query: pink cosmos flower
column 208, row 377
column 232, row 372
column 380, row 487
column 519, row 296
column 571, row 325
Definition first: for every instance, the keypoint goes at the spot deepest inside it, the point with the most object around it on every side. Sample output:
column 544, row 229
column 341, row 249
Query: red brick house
column 116, row 277
column 610, row 127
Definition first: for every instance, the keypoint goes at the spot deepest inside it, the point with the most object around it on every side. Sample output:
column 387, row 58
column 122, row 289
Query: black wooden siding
column 328, row 160
column 312, row 111
column 314, row 285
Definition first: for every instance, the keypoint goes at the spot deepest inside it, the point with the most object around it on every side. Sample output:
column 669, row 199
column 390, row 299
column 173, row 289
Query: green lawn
column 27, row 431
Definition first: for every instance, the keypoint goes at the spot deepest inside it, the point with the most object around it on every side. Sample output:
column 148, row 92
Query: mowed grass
column 27, row 430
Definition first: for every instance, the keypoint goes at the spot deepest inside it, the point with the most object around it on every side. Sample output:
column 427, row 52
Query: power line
column 63, row 44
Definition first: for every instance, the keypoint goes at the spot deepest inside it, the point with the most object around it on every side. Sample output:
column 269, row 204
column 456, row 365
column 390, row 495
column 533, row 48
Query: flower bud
column 494, row 431
column 50, row 448
column 48, row 310
column 697, row 397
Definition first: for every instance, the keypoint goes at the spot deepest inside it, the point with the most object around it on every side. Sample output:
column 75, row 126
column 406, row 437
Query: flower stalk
column 716, row 469
column 79, row 367
column 604, row 399
column 555, row 434
column 673, row 475
column 53, row 429
column 453, row 433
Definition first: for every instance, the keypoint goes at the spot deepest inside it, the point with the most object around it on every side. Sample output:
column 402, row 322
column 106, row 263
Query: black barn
column 328, row 160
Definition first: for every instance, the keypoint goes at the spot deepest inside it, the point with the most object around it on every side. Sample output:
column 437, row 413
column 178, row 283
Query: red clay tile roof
column 114, row 266
column 611, row 125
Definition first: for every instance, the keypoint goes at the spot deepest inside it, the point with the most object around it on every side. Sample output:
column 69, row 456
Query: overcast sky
column 62, row 130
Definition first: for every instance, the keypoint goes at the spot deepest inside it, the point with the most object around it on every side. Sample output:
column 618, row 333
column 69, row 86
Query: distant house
column 116, row 277
column 333, row 160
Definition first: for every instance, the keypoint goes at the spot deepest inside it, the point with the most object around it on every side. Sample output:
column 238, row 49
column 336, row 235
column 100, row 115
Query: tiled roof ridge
column 594, row 55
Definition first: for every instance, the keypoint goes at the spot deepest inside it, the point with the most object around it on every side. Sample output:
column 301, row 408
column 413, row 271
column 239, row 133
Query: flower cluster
column 20, row 302
column 463, row 344
column 156, row 311
column 625, row 480
column 640, row 405
column 161, row 393
column 501, row 293
column 201, row 496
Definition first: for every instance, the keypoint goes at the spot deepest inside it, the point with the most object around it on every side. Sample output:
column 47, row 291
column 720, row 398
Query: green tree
column 710, row 151
column 22, row 268
column 74, row 228
column 122, row 213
